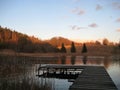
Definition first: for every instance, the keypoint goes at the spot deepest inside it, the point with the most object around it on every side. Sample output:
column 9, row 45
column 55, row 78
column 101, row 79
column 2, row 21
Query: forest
column 23, row 43
column 19, row 42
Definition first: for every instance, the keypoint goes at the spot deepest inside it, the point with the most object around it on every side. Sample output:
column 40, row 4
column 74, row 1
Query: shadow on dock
column 59, row 76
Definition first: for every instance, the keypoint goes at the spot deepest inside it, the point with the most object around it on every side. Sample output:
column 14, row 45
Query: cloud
column 78, row 11
column 93, row 25
column 116, row 5
column 98, row 7
column 118, row 30
column 81, row 12
column 75, row 27
column 118, row 20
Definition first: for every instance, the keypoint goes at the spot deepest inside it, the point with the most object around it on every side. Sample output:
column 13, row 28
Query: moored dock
column 93, row 78
column 88, row 77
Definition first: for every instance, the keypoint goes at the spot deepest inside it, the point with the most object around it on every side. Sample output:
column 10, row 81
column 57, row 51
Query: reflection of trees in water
column 24, row 84
column 73, row 60
column 21, row 77
column 7, row 70
column 27, row 60
column 107, row 62
column 111, row 60
column 14, row 70
column 63, row 59
column 116, row 60
column 116, row 50
column 16, row 60
column 84, row 59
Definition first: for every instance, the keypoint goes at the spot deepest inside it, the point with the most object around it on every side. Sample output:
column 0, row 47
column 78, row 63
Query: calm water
column 19, row 73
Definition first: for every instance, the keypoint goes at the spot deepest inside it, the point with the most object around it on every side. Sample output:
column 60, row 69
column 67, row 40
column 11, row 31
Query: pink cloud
column 118, row 30
column 93, row 25
column 78, row 11
column 81, row 12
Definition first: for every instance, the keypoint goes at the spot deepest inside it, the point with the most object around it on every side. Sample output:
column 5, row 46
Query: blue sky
column 73, row 19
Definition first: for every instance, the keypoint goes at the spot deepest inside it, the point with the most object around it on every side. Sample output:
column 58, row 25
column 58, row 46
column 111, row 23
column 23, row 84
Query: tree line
column 57, row 42
column 19, row 42
column 23, row 43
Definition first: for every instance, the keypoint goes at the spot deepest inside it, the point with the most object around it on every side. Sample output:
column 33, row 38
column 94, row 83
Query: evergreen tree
column 63, row 49
column 73, row 49
column 84, row 49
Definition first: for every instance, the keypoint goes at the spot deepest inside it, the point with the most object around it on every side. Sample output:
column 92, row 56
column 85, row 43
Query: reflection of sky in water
column 61, row 84
column 55, row 84
column 114, row 72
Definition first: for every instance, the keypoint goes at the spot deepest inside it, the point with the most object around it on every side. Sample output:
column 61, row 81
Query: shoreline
column 55, row 54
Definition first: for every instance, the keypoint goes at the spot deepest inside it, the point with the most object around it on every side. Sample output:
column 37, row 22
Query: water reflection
column 84, row 59
column 20, row 77
column 23, row 84
column 63, row 59
column 74, row 61
column 73, row 58
column 19, row 73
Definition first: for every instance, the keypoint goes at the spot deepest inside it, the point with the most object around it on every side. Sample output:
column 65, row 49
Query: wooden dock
column 93, row 78
column 89, row 78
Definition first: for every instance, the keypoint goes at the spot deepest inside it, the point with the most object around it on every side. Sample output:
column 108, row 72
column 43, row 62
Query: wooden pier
column 89, row 77
column 93, row 78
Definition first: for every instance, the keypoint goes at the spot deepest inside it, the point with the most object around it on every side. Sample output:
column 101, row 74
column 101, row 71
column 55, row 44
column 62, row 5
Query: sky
column 79, row 20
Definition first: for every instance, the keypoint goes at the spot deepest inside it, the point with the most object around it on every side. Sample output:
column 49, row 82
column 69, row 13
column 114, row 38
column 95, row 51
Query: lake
column 20, row 73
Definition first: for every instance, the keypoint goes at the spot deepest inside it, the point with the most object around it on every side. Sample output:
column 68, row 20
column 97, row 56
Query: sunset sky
column 73, row 19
